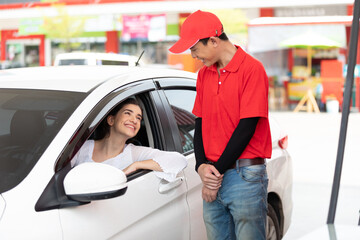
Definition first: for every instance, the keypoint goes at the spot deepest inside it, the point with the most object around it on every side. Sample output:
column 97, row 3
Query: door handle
column 166, row 186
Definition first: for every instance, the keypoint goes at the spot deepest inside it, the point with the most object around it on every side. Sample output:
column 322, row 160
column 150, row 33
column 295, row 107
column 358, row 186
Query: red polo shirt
column 241, row 91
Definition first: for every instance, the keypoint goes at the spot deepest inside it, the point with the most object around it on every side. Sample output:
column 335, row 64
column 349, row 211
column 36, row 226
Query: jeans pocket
column 254, row 173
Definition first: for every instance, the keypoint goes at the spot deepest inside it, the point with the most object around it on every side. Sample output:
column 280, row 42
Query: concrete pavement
column 313, row 144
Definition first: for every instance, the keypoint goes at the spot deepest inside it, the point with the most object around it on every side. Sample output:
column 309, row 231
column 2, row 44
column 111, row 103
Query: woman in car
column 110, row 145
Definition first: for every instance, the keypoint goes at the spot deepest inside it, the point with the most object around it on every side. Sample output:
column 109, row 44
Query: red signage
column 144, row 27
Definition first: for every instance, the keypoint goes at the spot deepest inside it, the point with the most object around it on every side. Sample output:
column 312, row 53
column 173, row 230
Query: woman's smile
column 131, row 126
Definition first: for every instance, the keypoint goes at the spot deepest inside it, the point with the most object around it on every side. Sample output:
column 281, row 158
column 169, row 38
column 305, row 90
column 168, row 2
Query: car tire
column 272, row 225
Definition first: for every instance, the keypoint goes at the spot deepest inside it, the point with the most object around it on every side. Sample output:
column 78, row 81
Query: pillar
column 112, row 42
column 266, row 12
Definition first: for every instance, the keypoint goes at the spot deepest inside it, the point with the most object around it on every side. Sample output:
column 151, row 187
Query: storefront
column 34, row 41
column 66, row 30
column 21, row 51
column 288, row 66
column 132, row 26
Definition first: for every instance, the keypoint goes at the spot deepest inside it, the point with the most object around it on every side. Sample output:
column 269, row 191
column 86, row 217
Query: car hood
column 2, row 206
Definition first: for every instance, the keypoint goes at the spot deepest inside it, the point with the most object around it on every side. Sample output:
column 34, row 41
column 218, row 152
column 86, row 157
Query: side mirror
column 94, row 181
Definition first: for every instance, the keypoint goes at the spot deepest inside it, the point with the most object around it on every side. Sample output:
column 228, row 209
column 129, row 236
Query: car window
column 148, row 135
column 143, row 137
column 73, row 62
column 113, row 62
column 29, row 121
column 182, row 102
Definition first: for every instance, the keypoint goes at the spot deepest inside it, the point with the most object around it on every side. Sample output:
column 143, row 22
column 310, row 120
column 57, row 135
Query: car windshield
column 30, row 119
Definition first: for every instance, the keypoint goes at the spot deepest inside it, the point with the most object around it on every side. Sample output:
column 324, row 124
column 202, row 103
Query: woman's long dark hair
column 103, row 129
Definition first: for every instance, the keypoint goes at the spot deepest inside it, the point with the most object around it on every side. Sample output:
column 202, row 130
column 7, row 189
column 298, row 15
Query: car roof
column 80, row 78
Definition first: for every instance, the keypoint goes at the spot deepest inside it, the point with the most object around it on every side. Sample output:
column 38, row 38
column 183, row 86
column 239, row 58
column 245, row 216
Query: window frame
column 89, row 124
column 174, row 84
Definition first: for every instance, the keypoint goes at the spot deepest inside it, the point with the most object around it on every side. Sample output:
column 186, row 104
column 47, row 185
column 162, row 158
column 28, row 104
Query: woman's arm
column 169, row 163
column 146, row 164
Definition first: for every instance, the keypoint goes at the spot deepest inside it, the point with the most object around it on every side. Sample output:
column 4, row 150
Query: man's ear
column 214, row 41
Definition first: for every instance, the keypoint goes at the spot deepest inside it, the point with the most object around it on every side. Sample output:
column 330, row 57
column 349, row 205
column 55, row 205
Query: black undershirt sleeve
column 237, row 143
column 198, row 144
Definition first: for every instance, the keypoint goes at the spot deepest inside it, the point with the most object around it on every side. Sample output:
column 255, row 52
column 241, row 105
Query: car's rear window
column 30, row 119
column 112, row 62
column 73, row 62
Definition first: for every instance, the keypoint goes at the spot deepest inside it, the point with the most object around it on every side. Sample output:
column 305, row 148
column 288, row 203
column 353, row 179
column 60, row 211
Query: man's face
column 205, row 53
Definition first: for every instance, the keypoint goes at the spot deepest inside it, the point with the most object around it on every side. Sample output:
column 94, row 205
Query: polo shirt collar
column 234, row 63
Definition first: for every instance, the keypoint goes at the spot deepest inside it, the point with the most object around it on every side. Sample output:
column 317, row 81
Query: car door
column 151, row 208
column 179, row 94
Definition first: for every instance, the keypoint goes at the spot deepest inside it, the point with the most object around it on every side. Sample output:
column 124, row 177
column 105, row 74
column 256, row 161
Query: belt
column 248, row 162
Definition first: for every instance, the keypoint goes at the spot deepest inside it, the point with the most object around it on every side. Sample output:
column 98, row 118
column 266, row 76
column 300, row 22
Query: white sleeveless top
column 170, row 162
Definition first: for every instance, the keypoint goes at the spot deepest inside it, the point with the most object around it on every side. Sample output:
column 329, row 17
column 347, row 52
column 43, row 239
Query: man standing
column 232, row 133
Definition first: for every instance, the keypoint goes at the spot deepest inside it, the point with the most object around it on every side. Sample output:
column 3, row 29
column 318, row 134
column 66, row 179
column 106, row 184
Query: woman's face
column 127, row 121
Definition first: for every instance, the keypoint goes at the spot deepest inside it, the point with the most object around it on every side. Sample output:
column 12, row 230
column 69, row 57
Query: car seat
column 26, row 128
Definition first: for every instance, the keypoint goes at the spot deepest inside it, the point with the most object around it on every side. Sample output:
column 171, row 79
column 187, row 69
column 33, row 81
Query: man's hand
column 210, row 176
column 209, row 195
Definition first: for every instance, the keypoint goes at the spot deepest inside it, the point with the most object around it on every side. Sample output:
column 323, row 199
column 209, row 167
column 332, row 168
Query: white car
column 94, row 58
column 47, row 113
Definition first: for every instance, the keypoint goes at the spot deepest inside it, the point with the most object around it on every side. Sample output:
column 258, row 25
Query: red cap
column 197, row 26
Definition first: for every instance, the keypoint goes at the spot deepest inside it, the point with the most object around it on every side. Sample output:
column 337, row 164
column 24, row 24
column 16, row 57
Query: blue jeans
column 240, row 208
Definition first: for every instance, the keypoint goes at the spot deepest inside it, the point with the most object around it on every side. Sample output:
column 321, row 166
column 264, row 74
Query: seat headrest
column 26, row 127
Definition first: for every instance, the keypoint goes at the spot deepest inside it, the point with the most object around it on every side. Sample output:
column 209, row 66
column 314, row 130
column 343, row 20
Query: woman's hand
column 131, row 168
